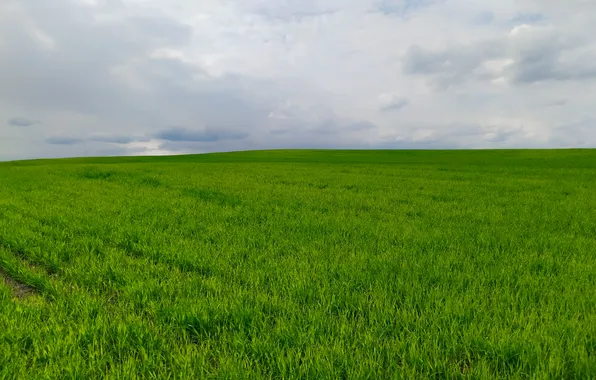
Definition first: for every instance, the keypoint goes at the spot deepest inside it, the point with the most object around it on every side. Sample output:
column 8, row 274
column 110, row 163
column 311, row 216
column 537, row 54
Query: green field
column 300, row 264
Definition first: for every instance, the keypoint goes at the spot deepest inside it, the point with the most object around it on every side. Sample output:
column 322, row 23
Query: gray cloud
column 557, row 103
column 74, row 74
column 22, row 122
column 394, row 104
column 574, row 134
column 456, row 135
column 532, row 54
column 92, row 65
column 163, row 30
column 114, row 139
column 547, row 54
column 546, row 64
column 484, row 18
column 177, row 134
column 360, row 126
column 63, row 140
column 338, row 128
column 453, row 65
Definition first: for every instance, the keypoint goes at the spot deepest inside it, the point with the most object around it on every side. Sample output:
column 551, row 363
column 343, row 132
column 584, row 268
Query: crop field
column 300, row 265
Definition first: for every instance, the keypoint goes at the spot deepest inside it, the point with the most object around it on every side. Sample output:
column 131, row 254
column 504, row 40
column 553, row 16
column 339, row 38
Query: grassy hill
column 300, row 264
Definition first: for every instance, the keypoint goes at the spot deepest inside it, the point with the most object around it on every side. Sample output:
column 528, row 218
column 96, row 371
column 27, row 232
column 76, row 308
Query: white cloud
column 150, row 148
column 295, row 73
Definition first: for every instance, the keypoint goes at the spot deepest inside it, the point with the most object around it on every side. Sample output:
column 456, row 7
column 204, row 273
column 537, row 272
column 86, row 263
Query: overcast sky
column 116, row 77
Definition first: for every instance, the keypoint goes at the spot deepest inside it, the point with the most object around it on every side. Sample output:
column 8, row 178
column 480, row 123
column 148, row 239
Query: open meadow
column 300, row 264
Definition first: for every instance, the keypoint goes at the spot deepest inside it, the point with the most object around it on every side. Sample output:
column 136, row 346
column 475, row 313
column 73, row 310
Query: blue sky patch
column 528, row 18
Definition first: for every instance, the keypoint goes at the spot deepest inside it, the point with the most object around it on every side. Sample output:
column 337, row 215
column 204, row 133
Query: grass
column 300, row 264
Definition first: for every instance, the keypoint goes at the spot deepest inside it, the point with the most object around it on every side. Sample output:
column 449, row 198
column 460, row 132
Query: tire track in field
column 19, row 266
column 19, row 289
column 27, row 280
column 31, row 273
column 29, row 276
column 24, row 278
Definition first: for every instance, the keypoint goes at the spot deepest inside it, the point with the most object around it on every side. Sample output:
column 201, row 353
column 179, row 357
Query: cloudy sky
column 115, row 77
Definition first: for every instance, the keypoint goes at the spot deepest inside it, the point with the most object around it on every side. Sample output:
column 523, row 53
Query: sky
column 151, row 77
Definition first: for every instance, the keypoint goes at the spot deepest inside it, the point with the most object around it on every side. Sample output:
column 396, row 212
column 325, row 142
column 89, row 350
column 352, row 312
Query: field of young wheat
column 300, row 264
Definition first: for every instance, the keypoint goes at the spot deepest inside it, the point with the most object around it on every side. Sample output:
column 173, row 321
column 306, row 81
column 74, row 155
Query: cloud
column 454, row 64
column 557, row 103
column 543, row 53
column 58, row 140
column 261, row 73
column 113, row 139
column 204, row 135
column 360, row 126
column 484, row 18
column 572, row 134
column 21, row 122
column 527, row 18
column 527, row 54
column 402, row 8
column 163, row 30
column 389, row 102
column 337, row 128
column 491, row 135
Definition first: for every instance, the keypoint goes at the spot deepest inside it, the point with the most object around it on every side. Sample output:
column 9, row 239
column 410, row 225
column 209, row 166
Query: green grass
column 300, row 264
